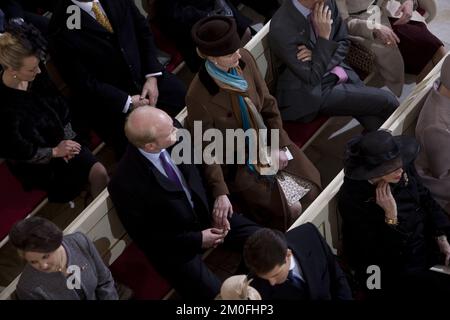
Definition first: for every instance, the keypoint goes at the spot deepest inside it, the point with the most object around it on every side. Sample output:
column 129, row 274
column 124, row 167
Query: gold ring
column 388, row 43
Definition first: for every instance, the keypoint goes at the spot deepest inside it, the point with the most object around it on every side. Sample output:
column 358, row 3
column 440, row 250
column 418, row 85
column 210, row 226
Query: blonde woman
column 36, row 137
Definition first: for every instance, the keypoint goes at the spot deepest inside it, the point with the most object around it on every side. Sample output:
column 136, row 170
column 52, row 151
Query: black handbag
column 360, row 59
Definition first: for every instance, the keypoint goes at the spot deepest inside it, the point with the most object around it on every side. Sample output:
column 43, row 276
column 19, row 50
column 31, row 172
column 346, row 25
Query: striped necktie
column 101, row 17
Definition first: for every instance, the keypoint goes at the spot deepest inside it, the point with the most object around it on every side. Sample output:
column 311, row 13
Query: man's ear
column 288, row 254
column 149, row 147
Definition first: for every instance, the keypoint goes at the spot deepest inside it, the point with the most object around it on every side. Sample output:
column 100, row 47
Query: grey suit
column 306, row 89
column 96, row 280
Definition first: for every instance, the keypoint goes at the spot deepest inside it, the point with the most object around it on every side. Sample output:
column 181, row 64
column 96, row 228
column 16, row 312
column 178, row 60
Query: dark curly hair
column 21, row 40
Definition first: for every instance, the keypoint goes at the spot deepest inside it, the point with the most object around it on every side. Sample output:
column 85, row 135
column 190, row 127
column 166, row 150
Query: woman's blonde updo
column 19, row 42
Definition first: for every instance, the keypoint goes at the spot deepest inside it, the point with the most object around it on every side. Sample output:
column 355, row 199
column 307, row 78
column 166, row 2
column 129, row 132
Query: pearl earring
column 215, row 62
column 15, row 76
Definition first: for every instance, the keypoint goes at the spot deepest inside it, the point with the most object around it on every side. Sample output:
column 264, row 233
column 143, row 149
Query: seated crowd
column 393, row 201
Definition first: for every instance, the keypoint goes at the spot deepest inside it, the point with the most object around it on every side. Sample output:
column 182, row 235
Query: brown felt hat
column 216, row 36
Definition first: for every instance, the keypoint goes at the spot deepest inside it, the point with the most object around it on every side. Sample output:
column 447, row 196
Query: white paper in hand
column 441, row 268
column 392, row 7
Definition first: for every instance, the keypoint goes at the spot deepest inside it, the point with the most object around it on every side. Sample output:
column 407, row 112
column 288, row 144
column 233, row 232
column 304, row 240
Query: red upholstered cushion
column 300, row 133
column 15, row 203
column 95, row 141
column 134, row 270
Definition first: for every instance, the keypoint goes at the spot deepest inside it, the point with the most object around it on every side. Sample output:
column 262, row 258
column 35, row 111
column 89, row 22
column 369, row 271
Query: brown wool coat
column 256, row 197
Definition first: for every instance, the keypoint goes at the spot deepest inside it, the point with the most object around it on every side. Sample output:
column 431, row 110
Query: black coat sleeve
column 440, row 221
column 80, row 78
column 340, row 288
column 152, row 228
column 147, row 48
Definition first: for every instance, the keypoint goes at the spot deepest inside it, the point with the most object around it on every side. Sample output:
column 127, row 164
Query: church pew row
column 99, row 220
column 323, row 212
column 15, row 202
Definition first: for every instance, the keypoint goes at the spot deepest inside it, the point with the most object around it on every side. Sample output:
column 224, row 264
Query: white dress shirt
column 296, row 269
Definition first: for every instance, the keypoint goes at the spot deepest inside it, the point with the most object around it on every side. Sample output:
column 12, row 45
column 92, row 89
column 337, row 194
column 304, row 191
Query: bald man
column 164, row 207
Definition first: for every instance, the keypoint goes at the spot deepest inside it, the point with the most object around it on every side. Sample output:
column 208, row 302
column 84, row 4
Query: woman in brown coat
column 229, row 93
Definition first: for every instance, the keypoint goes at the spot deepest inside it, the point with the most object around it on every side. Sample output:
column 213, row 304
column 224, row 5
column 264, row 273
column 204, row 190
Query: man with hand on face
column 111, row 64
column 163, row 207
column 310, row 40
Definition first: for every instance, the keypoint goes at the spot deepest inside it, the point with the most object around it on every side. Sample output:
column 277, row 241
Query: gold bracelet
column 390, row 221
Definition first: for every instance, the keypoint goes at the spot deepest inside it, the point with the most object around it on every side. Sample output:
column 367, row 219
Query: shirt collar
column 293, row 263
column 86, row 6
column 303, row 10
column 150, row 155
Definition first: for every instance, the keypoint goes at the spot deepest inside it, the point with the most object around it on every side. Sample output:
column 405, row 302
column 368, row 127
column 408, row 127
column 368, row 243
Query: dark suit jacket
column 156, row 214
column 323, row 276
column 16, row 8
column 299, row 88
column 104, row 67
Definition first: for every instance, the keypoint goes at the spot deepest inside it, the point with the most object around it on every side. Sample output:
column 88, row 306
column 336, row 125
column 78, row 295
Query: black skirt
column 62, row 180
column 417, row 44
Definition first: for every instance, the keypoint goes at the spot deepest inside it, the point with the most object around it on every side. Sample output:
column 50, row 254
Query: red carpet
column 134, row 270
column 300, row 133
column 15, row 203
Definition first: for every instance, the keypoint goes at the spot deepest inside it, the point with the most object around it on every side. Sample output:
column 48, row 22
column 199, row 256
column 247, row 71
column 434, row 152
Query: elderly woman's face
column 228, row 61
column 29, row 70
column 45, row 262
column 392, row 177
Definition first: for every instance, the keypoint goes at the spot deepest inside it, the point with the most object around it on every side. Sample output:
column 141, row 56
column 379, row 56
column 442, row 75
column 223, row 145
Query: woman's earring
column 15, row 76
column 215, row 62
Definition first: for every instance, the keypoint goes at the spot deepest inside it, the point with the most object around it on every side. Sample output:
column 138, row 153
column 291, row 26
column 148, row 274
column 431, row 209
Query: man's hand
column 150, row 90
column 138, row 102
column 406, row 9
column 386, row 35
column 283, row 160
column 444, row 248
column 221, row 211
column 304, row 54
column 212, row 237
column 385, row 200
column 322, row 20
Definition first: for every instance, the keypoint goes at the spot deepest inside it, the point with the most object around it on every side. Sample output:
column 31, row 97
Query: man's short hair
column 139, row 138
column 264, row 250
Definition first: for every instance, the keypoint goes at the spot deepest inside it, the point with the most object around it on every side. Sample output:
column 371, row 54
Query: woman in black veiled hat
column 390, row 219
